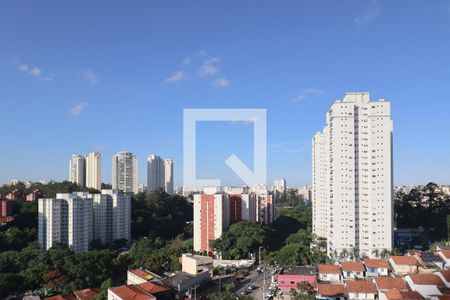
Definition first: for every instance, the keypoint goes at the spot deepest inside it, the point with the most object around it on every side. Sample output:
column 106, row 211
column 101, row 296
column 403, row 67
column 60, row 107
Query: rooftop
column 445, row 253
column 144, row 274
column 405, row 260
column 390, row 283
column 299, row 270
column 376, row 263
column 352, row 266
column 329, row 269
column 131, row 292
column 360, row 286
column 400, row 295
column 426, row 279
column 445, row 274
column 87, row 294
column 153, row 287
column 331, row 290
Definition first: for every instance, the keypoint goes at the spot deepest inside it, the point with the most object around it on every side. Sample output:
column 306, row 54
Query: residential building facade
column 125, row 172
column 352, row 176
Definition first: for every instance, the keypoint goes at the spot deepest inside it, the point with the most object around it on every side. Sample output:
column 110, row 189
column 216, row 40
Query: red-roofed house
column 402, row 265
column 426, row 285
column 86, row 294
column 444, row 275
column 129, row 292
column 61, row 297
column 360, row 289
column 330, row 291
column 376, row 267
column 352, row 270
column 445, row 255
column 401, row 295
column 387, row 284
column 138, row 276
column 330, row 273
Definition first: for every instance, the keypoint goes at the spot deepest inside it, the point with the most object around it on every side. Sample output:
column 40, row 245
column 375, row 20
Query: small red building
column 290, row 277
column 15, row 195
column 5, row 208
column 35, row 195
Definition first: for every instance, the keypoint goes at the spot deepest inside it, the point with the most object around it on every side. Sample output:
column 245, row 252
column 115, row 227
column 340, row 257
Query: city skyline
column 295, row 69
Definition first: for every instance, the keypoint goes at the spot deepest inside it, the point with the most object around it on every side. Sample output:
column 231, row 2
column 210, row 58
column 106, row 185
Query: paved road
column 255, row 280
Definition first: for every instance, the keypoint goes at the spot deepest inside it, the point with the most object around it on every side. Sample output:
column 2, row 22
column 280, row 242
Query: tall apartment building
column 159, row 174
column 215, row 209
column 79, row 218
column 125, row 172
column 279, row 185
column 66, row 220
column 94, row 170
column 168, row 176
column 77, row 170
column 352, row 176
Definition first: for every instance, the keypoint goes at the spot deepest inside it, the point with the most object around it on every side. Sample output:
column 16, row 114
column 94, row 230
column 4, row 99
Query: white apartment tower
column 168, row 176
column 125, row 172
column 159, row 174
column 94, row 170
column 77, row 170
column 79, row 218
column 279, row 185
column 352, row 176
column 66, row 220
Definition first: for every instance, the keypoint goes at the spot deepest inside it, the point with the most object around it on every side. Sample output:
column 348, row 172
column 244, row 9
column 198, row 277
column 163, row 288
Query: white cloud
column 289, row 147
column 23, row 68
column 370, row 12
column 210, row 66
column 175, row 77
column 78, row 108
column 35, row 72
column 313, row 91
column 299, row 98
column 90, row 76
column 187, row 61
column 220, row 82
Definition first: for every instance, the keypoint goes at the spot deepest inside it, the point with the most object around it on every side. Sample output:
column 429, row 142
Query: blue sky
column 82, row 76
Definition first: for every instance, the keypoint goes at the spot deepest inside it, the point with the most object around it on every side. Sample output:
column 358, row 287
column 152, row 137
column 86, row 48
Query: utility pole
column 264, row 284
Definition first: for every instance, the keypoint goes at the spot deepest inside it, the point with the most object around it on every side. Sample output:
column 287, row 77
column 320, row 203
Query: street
column 257, row 281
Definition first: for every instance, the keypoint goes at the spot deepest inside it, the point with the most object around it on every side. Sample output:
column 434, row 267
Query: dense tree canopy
column 424, row 206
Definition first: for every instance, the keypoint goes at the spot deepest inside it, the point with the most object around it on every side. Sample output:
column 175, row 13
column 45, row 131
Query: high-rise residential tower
column 159, row 174
column 155, row 173
column 125, row 172
column 77, row 170
column 168, row 176
column 352, row 177
column 94, row 170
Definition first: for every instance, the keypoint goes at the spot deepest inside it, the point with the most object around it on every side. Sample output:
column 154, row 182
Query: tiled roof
column 329, row 269
column 142, row 274
column 153, row 288
column 62, row 297
column 131, row 292
column 376, row 263
column 405, row 260
column 400, row 295
column 352, row 266
column 390, row 283
column 446, row 253
column 87, row 294
column 360, row 286
column 330, row 290
column 426, row 279
column 445, row 274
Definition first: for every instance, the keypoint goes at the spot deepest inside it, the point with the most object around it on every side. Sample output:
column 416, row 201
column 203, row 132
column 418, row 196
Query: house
column 330, row 291
column 402, row 265
column 376, row 267
column 402, row 295
column 445, row 255
column 127, row 292
column 444, row 275
column 426, row 285
column 139, row 276
column 61, row 297
column 289, row 277
column 194, row 264
column 388, row 284
column 329, row 273
column 86, row 294
column 181, row 281
column 352, row 270
column 427, row 261
column 360, row 289
column 384, row 284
